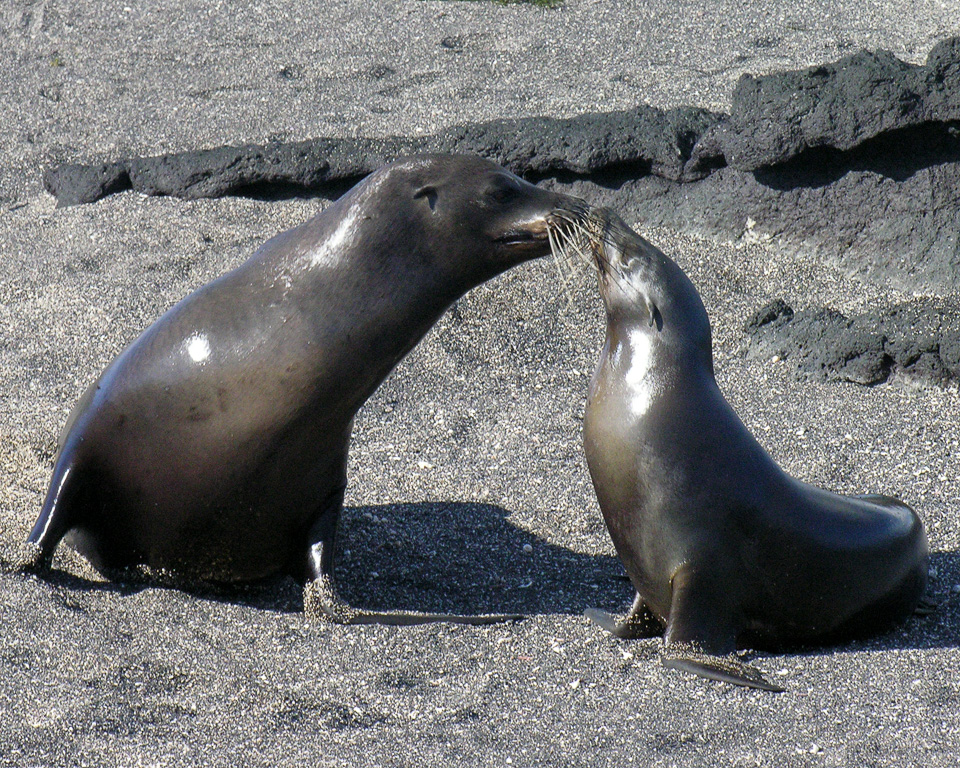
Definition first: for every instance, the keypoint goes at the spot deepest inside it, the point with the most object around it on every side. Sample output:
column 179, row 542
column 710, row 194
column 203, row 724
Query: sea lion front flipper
column 320, row 596
column 639, row 621
column 701, row 634
column 727, row 669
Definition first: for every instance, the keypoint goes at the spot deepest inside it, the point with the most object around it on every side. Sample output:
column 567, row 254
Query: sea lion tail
column 56, row 516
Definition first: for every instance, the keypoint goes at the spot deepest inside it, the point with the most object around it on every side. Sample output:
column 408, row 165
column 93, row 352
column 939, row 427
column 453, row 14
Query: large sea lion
column 214, row 448
column 723, row 547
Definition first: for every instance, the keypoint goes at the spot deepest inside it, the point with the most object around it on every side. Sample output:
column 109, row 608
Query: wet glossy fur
column 723, row 547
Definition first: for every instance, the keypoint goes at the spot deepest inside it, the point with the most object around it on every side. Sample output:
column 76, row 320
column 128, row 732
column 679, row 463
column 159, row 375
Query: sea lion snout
column 544, row 212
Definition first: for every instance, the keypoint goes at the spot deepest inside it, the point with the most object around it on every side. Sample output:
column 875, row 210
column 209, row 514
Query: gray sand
column 471, row 449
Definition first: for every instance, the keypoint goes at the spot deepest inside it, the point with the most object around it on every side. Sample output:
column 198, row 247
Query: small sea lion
column 725, row 549
column 214, row 448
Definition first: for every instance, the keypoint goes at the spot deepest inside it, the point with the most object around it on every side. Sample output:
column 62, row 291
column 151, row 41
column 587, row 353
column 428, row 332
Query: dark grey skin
column 214, row 448
column 724, row 549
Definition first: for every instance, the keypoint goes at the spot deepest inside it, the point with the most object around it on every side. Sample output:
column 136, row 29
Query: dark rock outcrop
column 858, row 160
column 637, row 142
column 900, row 231
column 841, row 106
column 917, row 341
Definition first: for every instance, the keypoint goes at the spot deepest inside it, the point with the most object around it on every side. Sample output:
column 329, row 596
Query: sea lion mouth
column 526, row 239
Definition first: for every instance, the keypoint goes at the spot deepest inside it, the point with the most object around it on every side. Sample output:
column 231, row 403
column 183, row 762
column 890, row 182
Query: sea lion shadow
column 466, row 558
column 72, row 574
column 469, row 559
column 461, row 558
column 437, row 557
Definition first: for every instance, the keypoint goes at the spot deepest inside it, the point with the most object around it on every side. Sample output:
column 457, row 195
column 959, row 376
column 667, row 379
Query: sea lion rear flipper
column 727, row 669
column 639, row 621
column 320, row 597
column 881, row 500
column 56, row 516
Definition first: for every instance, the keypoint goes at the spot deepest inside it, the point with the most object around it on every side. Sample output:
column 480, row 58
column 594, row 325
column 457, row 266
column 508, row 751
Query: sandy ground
column 471, row 450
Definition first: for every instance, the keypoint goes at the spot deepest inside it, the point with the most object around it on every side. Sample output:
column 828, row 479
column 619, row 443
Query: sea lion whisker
column 575, row 238
column 579, row 226
column 557, row 252
column 588, row 235
column 561, row 241
column 572, row 247
column 583, row 238
column 602, row 233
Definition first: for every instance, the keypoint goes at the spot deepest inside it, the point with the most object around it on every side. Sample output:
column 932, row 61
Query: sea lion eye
column 503, row 191
column 428, row 192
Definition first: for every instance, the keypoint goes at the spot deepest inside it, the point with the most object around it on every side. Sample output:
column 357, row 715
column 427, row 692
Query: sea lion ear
column 428, row 192
column 656, row 319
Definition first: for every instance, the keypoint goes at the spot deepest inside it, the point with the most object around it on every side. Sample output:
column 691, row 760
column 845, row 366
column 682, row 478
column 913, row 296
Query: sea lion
column 214, row 448
column 723, row 547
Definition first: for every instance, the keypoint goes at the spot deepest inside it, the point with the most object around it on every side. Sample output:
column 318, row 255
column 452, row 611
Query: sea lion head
column 471, row 214
column 643, row 289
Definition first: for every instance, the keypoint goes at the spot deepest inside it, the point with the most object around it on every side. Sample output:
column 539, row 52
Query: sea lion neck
column 658, row 339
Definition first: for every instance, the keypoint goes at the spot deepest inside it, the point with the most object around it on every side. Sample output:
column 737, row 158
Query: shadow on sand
column 452, row 557
column 469, row 558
